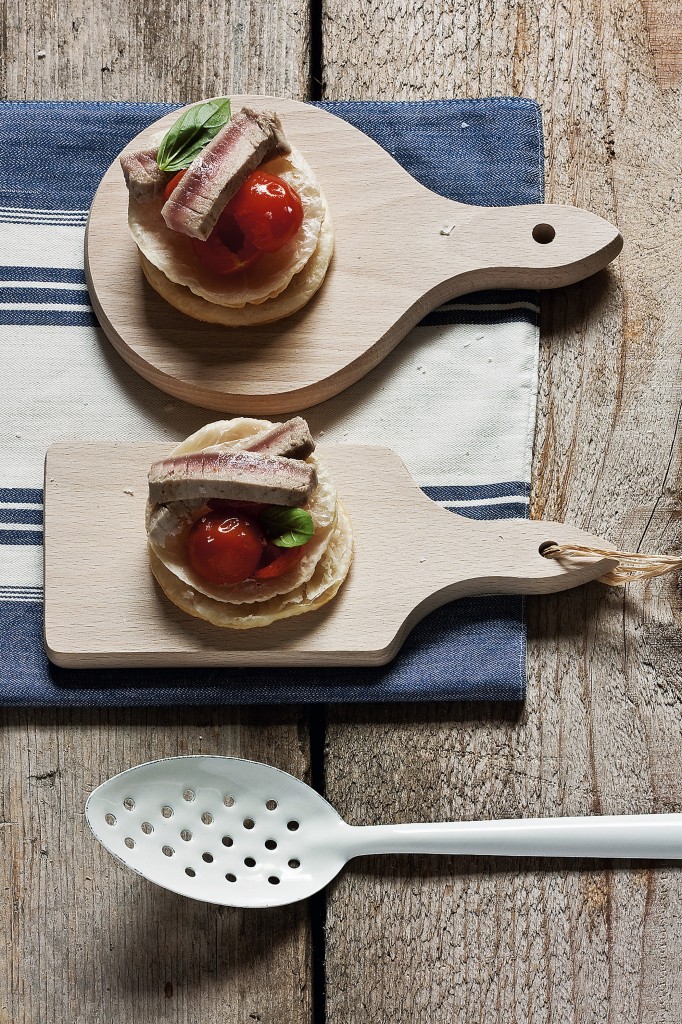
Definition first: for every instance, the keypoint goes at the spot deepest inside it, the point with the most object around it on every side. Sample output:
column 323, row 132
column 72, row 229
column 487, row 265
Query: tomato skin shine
column 267, row 210
column 225, row 548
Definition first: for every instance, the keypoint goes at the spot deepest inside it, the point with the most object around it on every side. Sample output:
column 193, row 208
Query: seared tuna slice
column 291, row 439
column 240, row 475
column 221, row 169
column 144, row 177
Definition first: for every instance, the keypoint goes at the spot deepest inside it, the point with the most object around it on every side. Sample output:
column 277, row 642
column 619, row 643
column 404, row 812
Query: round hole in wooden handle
column 546, row 545
column 544, row 233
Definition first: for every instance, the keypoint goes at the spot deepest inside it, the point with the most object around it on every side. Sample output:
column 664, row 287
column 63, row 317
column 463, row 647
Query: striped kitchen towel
column 466, row 377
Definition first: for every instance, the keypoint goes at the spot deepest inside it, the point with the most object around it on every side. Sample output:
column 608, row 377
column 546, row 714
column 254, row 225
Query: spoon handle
column 633, row 836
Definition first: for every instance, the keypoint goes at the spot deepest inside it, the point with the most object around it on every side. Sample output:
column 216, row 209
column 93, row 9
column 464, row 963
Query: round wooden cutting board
column 392, row 264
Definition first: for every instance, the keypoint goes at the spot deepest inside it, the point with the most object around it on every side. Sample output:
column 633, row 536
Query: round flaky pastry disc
column 311, row 583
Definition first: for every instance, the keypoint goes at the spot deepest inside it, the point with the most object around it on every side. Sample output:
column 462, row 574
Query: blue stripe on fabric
column 32, row 494
column 486, row 634
column 64, row 295
column 47, row 318
column 478, row 492
column 48, row 275
column 511, row 510
column 20, row 538
column 19, row 516
column 441, row 317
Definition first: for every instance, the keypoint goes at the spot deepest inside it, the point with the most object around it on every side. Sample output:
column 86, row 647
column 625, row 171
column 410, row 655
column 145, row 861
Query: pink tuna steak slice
column 240, row 475
column 221, row 169
column 291, row 439
column 144, row 177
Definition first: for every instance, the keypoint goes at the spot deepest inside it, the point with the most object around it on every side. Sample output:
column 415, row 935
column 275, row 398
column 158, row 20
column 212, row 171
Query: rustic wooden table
column 409, row 939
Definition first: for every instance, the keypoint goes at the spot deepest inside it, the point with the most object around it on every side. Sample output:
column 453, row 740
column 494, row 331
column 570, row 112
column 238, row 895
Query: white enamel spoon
column 244, row 834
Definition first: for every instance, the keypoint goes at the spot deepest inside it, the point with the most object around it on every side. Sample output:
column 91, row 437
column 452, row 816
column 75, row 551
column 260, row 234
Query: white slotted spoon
column 245, row 834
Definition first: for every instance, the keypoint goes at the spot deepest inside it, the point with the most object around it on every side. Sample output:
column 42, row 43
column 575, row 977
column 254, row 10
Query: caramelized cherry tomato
column 227, row 249
column 225, row 549
column 284, row 560
column 175, row 180
column 267, row 210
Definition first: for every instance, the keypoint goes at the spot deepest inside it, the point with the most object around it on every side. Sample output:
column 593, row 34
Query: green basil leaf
column 191, row 132
column 290, row 527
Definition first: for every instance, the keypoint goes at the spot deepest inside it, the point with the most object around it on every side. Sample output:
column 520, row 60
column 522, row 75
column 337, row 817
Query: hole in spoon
column 544, row 233
column 189, row 795
column 207, row 818
column 186, row 835
column 249, row 822
column 270, row 844
column 191, row 872
column 271, row 805
column 110, row 819
column 227, row 840
column 208, row 857
column 130, row 843
column 129, row 803
column 230, row 877
column 147, row 828
column 293, row 863
column 273, row 880
column 167, row 851
column 166, row 811
column 250, row 862
column 292, row 825
column 228, row 801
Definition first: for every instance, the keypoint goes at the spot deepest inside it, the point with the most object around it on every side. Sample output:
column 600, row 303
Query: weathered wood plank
column 411, row 939
column 153, row 51
column 83, row 939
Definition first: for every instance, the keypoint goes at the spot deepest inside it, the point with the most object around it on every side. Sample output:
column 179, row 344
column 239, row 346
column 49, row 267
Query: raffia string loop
column 631, row 566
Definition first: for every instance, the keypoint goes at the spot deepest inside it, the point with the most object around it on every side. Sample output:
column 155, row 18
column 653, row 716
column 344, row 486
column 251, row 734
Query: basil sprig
column 292, row 527
column 191, row 132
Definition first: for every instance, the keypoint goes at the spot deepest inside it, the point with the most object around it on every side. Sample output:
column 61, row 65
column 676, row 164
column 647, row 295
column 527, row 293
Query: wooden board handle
column 522, row 247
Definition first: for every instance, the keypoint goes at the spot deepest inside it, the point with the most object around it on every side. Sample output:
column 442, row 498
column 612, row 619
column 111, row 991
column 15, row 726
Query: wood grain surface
column 281, row 367
column 418, row 940
column 115, row 615
column 84, row 941
column 409, row 939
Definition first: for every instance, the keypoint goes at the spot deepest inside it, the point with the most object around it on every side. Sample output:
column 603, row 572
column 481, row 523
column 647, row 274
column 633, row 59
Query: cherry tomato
column 227, row 249
column 267, row 210
column 284, row 560
column 225, row 549
column 175, row 180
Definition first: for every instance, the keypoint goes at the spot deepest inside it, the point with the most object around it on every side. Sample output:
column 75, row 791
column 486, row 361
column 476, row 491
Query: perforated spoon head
column 220, row 829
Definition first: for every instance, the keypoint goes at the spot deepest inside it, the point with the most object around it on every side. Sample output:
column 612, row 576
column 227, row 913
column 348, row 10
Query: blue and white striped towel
column 467, row 375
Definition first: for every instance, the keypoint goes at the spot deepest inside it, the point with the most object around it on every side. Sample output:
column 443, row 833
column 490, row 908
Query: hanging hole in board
column 546, row 545
column 544, row 233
